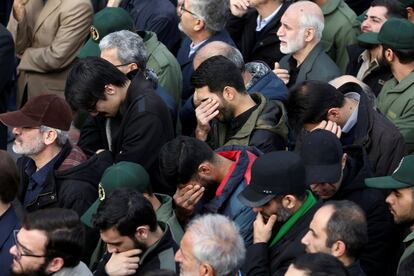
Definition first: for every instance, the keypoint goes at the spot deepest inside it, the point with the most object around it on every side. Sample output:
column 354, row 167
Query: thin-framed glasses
column 125, row 64
column 183, row 9
column 20, row 248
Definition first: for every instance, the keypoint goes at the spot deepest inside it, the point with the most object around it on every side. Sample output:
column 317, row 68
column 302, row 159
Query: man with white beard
column 300, row 33
column 53, row 173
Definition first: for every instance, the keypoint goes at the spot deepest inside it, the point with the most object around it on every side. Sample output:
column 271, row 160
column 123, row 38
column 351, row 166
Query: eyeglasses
column 125, row 64
column 183, row 9
column 20, row 250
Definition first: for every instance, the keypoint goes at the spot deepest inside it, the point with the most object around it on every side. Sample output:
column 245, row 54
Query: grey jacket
column 316, row 66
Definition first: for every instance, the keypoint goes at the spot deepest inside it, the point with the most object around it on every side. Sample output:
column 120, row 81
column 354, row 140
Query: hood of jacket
column 265, row 81
column 76, row 166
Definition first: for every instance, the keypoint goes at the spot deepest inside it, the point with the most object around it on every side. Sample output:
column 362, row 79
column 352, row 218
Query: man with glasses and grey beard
column 50, row 242
column 53, row 173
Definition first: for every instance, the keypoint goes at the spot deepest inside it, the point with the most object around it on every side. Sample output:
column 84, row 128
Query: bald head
column 309, row 15
column 218, row 48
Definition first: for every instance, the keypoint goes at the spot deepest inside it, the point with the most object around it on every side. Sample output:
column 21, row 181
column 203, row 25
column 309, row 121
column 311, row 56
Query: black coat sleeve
column 7, row 57
column 257, row 260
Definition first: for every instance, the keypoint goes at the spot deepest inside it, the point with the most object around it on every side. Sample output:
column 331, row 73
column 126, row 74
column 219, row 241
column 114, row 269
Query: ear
column 110, row 89
column 142, row 232
column 49, row 137
column 132, row 66
column 206, row 270
column 55, row 265
column 333, row 114
column 344, row 158
column 289, row 202
column 309, row 34
column 410, row 12
column 338, row 249
column 199, row 25
column 229, row 93
column 204, row 169
column 389, row 55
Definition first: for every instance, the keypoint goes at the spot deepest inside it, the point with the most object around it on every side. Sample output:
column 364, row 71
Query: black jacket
column 376, row 78
column 74, row 188
column 158, row 256
column 382, row 140
column 7, row 73
column 263, row 45
column 262, row 260
column 376, row 258
column 139, row 130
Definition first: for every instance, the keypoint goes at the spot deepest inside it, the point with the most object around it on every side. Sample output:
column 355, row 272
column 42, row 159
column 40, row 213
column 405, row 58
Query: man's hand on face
column 239, row 7
column 262, row 231
column 205, row 112
column 124, row 263
column 186, row 198
column 330, row 126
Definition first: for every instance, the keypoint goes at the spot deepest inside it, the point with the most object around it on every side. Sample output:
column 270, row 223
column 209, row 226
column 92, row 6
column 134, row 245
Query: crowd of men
column 207, row 137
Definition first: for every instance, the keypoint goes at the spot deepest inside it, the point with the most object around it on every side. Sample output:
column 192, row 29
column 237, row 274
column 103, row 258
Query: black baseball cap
column 273, row 174
column 321, row 152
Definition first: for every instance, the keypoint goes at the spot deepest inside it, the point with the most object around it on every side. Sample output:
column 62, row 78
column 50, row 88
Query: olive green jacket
column 269, row 115
column 396, row 102
column 164, row 64
column 341, row 30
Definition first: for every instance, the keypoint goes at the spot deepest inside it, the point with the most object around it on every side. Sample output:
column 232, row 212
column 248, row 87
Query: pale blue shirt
column 354, row 116
column 194, row 47
column 261, row 23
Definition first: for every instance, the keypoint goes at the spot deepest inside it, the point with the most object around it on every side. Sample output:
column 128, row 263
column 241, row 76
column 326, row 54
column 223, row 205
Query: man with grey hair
column 211, row 245
column 53, row 173
column 300, row 33
column 126, row 50
column 202, row 21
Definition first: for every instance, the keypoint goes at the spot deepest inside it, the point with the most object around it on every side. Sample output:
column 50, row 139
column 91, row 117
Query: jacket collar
column 330, row 6
column 307, row 64
column 50, row 6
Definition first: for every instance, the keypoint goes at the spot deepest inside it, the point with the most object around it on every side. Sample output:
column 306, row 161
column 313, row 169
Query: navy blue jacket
column 158, row 16
column 9, row 221
column 225, row 201
column 186, row 62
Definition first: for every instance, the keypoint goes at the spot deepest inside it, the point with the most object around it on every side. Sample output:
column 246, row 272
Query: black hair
column 404, row 56
column 181, row 157
column 125, row 209
column 86, row 82
column 320, row 264
column 347, row 224
column 64, row 231
column 216, row 73
column 9, row 178
column 309, row 102
column 394, row 8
